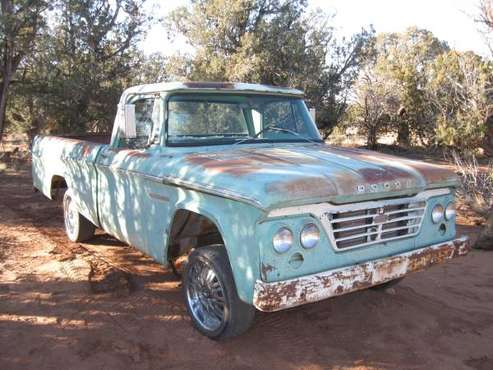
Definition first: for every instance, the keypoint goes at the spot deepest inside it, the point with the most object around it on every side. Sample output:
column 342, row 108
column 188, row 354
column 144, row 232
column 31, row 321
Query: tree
column 272, row 42
column 405, row 58
column 20, row 21
column 81, row 65
column 153, row 69
column 458, row 91
column 95, row 51
column 486, row 20
column 374, row 106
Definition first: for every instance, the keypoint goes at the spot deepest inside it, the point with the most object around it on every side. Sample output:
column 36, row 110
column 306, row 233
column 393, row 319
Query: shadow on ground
column 440, row 319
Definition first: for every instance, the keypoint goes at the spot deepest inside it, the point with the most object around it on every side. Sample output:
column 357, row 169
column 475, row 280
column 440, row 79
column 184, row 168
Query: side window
column 144, row 124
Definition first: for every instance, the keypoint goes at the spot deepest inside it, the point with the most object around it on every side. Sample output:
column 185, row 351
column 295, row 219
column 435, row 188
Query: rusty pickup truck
column 237, row 178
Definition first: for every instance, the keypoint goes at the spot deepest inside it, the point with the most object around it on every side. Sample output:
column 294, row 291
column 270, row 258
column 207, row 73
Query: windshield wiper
column 280, row 129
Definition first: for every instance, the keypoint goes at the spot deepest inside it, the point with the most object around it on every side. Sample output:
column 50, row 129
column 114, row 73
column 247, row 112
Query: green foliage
column 404, row 59
column 458, row 91
column 20, row 21
column 68, row 76
column 375, row 105
column 81, row 65
column 413, row 85
column 273, row 42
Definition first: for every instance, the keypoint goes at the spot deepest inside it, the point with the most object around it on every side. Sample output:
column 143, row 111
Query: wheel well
column 190, row 230
column 58, row 183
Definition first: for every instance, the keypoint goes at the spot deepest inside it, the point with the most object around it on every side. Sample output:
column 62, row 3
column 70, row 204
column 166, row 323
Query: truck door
column 125, row 209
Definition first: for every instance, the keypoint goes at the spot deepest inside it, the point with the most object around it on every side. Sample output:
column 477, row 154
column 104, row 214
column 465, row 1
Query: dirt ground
column 104, row 305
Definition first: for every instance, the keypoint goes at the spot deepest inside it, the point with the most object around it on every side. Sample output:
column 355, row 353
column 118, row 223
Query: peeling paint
column 431, row 173
column 295, row 292
column 265, row 268
column 137, row 154
column 303, row 187
column 238, row 162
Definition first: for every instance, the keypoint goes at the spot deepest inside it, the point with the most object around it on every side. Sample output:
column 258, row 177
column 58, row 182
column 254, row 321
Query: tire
column 77, row 227
column 211, row 297
column 388, row 284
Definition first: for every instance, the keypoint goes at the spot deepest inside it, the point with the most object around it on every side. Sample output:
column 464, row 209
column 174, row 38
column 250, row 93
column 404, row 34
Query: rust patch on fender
column 87, row 148
column 137, row 154
column 265, row 268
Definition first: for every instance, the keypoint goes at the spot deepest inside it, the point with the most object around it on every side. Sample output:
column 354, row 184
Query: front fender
column 236, row 222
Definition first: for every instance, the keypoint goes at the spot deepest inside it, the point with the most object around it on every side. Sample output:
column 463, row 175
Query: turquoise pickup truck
column 236, row 178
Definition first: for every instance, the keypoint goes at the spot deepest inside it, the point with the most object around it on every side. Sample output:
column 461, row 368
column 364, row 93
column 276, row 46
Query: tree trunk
column 487, row 144
column 485, row 240
column 4, row 86
column 403, row 135
column 371, row 140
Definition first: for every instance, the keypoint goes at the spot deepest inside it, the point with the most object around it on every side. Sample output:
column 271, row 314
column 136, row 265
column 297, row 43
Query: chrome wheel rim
column 70, row 216
column 205, row 295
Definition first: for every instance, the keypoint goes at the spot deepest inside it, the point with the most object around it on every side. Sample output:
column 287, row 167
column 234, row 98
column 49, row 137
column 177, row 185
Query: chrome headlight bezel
column 282, row 240
column 437, row 213
column 310, row 236
column 450, row 212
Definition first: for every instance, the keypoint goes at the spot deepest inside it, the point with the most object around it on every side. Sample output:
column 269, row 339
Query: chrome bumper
column 312, row 288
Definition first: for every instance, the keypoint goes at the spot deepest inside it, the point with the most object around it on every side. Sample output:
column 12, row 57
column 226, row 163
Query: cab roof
column 212, row 87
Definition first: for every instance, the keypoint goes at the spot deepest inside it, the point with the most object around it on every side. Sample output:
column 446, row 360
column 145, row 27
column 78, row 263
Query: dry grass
column 477, row 183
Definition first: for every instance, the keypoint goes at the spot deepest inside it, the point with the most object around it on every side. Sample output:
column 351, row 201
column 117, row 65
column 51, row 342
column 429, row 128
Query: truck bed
column 93, row 138
column 69, row 161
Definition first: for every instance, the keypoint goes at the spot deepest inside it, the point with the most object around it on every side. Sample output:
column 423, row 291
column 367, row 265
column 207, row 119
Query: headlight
column 450, row 211
column 283, row 240
column 310, row 235
column 437, row 213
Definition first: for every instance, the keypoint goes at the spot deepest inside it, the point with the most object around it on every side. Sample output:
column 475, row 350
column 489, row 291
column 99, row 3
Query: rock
column 485, row 240
column 484, row 243
column 390, row 291
column 104, row 278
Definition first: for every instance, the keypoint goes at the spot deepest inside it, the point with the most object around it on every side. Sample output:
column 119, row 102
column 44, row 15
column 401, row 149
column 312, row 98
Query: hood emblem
column 379, row 187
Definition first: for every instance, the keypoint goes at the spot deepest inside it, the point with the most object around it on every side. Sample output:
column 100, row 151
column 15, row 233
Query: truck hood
column 294, row 174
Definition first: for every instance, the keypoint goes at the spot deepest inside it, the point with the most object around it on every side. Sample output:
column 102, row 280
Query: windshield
column 207, row 119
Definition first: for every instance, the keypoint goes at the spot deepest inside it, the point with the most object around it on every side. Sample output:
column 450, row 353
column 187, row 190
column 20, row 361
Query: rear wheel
column 77, row 227
column 210, row 295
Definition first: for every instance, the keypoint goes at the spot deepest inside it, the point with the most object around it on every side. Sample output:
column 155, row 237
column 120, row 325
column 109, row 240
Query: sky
column 450, row 20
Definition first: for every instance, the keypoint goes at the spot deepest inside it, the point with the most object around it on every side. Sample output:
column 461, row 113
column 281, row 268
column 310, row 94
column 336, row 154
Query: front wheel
column 211, row 297
column 77, row 227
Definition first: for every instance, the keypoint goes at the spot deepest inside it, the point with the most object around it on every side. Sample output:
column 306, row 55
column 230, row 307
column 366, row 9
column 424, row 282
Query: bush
column 477, row 192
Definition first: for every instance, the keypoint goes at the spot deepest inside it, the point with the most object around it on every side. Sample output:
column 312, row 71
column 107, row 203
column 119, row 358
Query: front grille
column 360, row 227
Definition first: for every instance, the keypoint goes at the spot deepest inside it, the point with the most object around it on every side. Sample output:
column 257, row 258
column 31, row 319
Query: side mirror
column 313, row 113
column 128, row 130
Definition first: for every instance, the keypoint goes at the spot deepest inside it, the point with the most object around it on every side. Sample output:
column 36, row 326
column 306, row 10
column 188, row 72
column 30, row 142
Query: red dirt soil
column 53, row 316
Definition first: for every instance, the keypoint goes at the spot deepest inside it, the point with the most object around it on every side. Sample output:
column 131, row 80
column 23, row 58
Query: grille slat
column 394, row 220
column 406, row 210
column 375, row 233
column 358, row 228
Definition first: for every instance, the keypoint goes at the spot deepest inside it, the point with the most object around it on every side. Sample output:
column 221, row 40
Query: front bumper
column 312, row 288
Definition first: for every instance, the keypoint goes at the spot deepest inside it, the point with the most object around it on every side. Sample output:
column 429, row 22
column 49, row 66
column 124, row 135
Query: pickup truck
column 235, row 179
